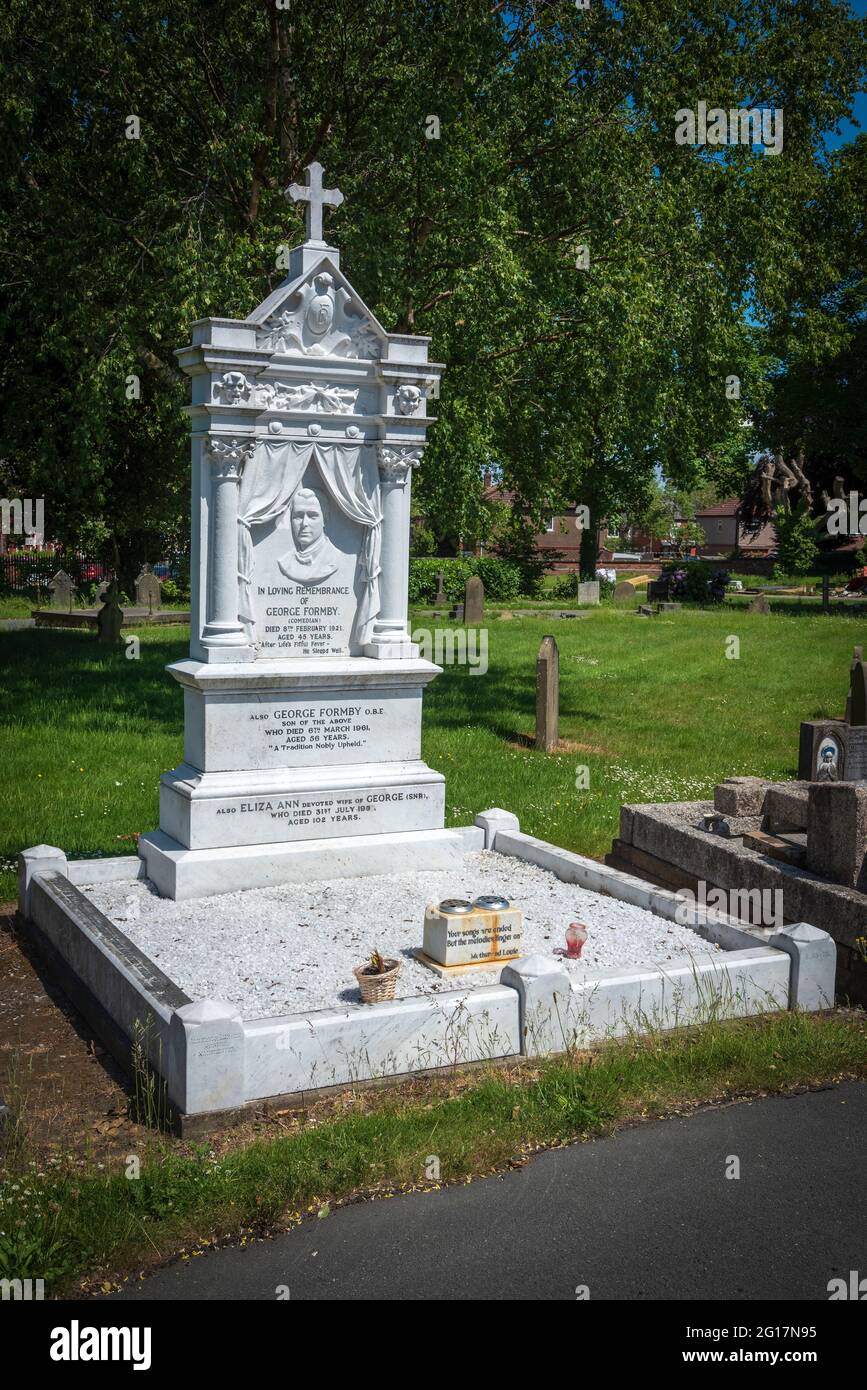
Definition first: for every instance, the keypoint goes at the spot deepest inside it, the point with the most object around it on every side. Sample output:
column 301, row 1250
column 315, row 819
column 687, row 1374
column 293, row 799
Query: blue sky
column 848, row 131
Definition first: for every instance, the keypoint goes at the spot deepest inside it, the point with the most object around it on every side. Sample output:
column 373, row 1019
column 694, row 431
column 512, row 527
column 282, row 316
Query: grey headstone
column 856, row 707
column 63, row 591
column 109, row 619
column 837, row 832
column 760, row 604
column 588, row 591
column 474, row 600
column 624, row 589
column 832, row 750
column 548, row 695
column 440, row 595
column 147, row 590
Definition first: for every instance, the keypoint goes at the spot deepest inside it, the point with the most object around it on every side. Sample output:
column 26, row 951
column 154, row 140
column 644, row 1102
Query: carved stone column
column 390, row 636
column 223, row 633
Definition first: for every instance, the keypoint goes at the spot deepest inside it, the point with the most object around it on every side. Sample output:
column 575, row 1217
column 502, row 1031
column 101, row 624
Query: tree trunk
column 589, row 552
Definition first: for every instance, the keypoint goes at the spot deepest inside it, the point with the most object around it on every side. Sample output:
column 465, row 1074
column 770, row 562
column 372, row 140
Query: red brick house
column 721, row 524
column 722, row 527
column 562, row 537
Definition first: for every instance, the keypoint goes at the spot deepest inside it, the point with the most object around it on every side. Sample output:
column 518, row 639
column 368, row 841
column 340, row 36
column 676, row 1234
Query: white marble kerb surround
column 303, row 690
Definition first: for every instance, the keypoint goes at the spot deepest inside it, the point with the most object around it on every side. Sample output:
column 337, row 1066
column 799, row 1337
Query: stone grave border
column 218, row 1066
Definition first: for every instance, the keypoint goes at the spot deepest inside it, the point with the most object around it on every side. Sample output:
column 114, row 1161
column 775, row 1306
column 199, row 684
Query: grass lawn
column 652, row 707
column 82, row 1229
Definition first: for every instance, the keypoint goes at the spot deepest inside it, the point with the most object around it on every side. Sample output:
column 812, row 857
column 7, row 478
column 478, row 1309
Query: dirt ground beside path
column 67, row 1095
column 71, row 1103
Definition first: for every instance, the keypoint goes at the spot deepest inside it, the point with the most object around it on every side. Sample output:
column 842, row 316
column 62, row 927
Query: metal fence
column 30, row 572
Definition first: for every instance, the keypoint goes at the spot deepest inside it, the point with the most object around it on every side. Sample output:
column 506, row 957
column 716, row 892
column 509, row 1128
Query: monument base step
column 181, row 873
column 470, row 968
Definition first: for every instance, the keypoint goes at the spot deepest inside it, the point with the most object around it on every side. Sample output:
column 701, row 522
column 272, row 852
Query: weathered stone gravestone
column 835, row 750
column 587, row 591
column 624, row 589
column 760, row 604
column 856, row 700
column 474, row 600
column 63, row 591
column 147, row 590
column 109, row 619
column 303, row 689
column 548, row 695
column 837, row 833
column 441, row 599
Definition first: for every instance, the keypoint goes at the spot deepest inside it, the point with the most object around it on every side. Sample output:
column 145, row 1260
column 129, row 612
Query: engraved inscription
column 323, row 728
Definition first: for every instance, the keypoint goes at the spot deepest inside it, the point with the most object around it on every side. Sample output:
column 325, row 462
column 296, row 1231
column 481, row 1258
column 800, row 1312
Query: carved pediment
column 321, row 318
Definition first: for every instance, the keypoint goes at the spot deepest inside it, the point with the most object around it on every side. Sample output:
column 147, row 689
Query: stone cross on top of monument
column 316, row 197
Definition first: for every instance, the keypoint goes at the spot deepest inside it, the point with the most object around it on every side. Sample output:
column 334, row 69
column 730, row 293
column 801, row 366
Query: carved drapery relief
column 351, row 481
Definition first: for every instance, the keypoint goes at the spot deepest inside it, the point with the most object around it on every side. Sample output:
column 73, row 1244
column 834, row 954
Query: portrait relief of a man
column 313, row 559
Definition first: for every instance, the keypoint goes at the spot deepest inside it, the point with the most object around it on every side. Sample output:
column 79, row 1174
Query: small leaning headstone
column 62, row 591
column 856, row 703
column 548, row 695
column 474, row 600
column 147, row 590
column 760, row 604
column 624, row 589
column 109, row 619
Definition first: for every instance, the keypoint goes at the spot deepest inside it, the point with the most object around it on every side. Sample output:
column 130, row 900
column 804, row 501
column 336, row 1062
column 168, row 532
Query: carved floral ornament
column 228, row 456
column 234, row 389
column 396, row 461
column 311, row 395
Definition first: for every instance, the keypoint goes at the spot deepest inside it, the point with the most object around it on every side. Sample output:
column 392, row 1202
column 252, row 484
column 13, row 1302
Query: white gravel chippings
column 291, row 949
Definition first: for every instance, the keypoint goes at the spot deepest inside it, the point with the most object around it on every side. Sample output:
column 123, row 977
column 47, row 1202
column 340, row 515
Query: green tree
column 580, row 378
column 817, row 330
column 797, row 550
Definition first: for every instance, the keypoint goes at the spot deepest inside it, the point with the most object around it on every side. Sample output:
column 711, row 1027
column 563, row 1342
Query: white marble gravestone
column 302, row 690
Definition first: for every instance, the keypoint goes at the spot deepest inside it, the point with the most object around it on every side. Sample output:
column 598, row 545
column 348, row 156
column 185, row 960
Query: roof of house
column 729, row 507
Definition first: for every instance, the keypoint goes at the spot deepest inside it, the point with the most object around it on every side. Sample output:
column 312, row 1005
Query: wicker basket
column 377, row 988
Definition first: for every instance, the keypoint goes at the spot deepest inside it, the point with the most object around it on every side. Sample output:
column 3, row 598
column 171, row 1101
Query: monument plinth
column 303, row 690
